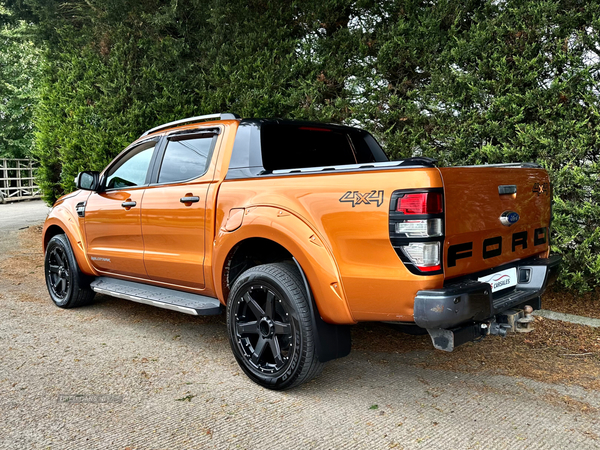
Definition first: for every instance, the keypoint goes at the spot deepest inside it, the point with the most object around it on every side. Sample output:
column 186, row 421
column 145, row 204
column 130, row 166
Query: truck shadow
column 367, row 337
column 211, row 331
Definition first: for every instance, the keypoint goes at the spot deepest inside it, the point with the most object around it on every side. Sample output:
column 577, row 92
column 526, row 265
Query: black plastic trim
column 462, row 302
column 80, row 208
column 421, row 161
column 507, row 189
column 156, row 161
column 331, row 341
column 191, row 134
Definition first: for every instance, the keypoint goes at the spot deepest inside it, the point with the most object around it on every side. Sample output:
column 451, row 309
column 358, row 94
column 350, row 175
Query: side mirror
column 88, row 180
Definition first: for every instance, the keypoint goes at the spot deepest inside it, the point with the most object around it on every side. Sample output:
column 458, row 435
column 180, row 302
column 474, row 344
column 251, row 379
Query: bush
column 19, row 62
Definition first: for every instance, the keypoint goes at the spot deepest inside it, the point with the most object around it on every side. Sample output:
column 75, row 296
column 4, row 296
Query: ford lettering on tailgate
column 493, row 246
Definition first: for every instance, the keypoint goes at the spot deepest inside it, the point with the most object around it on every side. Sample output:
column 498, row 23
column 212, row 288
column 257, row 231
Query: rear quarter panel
column 375, row 283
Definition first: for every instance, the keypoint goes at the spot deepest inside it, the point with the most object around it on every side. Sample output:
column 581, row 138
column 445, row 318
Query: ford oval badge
column 509, row 218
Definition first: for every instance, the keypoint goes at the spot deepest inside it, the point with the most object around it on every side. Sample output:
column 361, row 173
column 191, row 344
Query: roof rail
column 221, row 116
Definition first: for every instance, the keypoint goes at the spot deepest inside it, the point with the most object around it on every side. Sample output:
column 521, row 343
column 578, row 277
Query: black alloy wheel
column 58, row 273
column 67, row 286
column 270, row 328
column 263, row 329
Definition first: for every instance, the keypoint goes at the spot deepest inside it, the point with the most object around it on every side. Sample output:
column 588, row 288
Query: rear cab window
column 286, row 146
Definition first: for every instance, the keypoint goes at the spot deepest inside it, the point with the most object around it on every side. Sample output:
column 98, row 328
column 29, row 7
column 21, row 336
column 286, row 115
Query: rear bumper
column 472, row 301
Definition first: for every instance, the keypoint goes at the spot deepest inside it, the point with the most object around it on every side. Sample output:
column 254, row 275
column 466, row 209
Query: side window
column 132, row 169
column 185, row 159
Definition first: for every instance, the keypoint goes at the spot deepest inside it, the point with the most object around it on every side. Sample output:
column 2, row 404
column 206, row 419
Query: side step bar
column 194, row 304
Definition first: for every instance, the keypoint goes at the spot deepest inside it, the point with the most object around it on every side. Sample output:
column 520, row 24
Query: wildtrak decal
column 362, row 198
column 493, row 246
column 98, row 258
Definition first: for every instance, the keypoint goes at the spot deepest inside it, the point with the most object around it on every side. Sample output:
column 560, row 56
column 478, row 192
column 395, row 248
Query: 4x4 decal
column 360, row 198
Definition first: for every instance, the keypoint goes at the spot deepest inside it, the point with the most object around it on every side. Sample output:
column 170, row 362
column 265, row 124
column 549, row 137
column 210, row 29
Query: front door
column 112, row 216
column 174, row 211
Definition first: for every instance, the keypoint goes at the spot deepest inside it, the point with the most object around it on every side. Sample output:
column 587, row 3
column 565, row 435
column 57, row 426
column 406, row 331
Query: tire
column 270, row 327
column 67, row 286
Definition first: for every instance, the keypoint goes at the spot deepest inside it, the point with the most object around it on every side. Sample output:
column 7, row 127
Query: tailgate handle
column 505, row 189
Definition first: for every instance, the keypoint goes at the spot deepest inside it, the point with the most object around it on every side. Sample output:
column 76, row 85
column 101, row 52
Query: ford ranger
column 298, row 230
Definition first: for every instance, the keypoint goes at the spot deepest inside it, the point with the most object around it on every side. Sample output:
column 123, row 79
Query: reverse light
column 424, row 255
column 420, row 203
column 420, row 228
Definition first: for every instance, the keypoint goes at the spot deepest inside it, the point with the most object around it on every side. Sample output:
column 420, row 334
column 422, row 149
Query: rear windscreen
column 295, row 147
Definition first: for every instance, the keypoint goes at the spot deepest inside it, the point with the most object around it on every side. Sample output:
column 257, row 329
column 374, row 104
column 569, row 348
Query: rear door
column 112, row 216
column 494, row 215
column 174, row 209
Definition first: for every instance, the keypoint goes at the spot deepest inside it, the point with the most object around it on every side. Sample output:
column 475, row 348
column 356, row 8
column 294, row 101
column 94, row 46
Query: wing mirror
column 88, row 180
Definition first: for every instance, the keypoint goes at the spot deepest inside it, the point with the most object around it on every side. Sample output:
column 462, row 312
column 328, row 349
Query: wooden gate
column 17, row 180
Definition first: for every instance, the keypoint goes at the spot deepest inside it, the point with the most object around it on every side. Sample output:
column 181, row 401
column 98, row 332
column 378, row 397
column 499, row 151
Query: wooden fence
column 17, row 180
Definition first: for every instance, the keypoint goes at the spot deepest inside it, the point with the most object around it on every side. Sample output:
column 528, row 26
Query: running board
column 194, row 304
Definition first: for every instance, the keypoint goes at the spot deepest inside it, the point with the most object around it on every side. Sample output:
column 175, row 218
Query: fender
column 289, row 231
column 64, row 218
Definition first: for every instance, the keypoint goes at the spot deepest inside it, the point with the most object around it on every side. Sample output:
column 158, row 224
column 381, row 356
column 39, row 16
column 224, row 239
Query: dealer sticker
column 501, row 280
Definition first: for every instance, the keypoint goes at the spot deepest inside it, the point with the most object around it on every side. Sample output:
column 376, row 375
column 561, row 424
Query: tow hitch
column 518, row 320
column 500, row 325
column 496, row 328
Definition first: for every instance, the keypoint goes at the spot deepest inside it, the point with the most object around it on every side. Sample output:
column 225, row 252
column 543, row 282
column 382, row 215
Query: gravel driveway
column 121, row 375
column 18, row 215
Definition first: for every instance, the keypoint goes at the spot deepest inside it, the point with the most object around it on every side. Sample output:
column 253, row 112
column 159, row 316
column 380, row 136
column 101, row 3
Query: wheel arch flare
column 283, row 232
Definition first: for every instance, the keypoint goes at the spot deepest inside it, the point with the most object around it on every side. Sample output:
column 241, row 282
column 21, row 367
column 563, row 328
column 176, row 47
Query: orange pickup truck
column 298, row 230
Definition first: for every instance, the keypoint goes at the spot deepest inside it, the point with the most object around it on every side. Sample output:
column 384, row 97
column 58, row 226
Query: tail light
column 420, row 228
column 417, row 229
column 420, row 203
column 424, row 255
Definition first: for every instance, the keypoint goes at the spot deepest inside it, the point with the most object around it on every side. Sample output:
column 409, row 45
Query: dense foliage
column 467, row 82
column 19, row 73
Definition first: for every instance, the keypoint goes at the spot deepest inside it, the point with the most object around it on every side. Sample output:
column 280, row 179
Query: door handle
column 128, row 204
column 190, row 199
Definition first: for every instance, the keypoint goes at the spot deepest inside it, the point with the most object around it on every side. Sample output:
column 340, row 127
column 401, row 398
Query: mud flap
column 331, row 341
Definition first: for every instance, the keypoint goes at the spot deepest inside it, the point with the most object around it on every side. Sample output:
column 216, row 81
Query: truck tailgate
column 494, row 215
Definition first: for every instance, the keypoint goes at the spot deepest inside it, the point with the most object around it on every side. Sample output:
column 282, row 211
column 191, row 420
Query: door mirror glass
column 88, row 180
